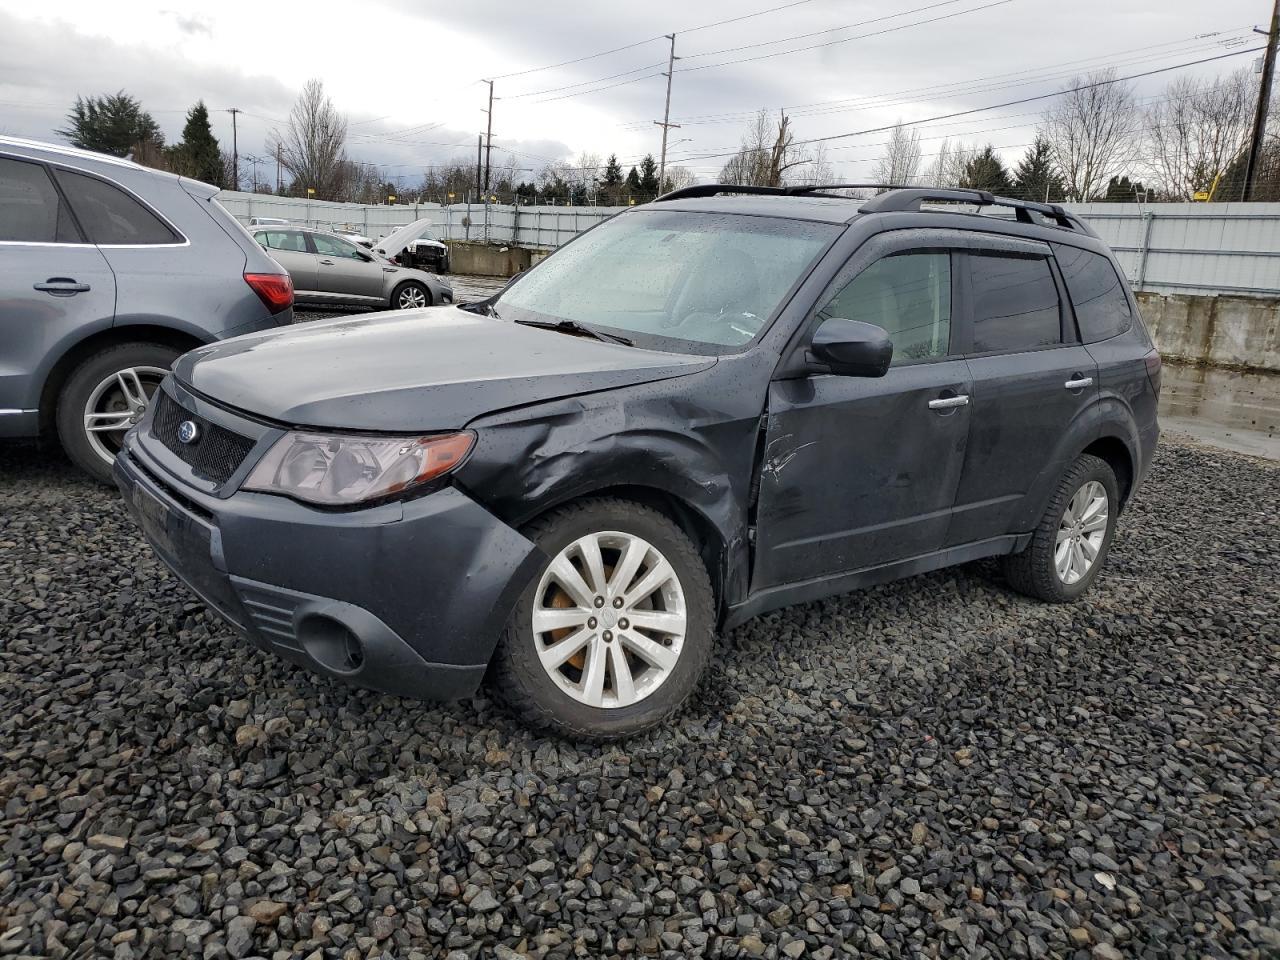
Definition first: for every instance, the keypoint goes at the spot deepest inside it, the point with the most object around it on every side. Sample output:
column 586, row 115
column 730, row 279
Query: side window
column 110, row 215
column 284, row 240
column 1097, row 292
column 31, row 210
column 909, row 295
column 1015, row 303
column 333, row 247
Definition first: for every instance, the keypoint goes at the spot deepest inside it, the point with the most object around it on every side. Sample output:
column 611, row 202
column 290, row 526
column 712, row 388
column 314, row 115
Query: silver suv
column 108, row 272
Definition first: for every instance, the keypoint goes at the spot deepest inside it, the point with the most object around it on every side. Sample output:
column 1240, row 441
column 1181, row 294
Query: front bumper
column 406, row 598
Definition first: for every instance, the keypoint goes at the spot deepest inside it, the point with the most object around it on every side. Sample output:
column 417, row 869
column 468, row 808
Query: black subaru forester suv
column 714, row 405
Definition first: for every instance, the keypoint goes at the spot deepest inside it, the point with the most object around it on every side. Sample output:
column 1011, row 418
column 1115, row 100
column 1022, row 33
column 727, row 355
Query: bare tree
column 312, row 147
column 901, row 162
column 949, row 164
column 678, row 177
column 767, row 155
column 1193, row 134
column 1092, row 131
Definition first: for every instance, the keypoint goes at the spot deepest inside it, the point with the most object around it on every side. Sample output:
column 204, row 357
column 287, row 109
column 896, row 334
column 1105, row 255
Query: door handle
column 327, row 263
column 61, row 287
column 946, row 403
column 1079, row 383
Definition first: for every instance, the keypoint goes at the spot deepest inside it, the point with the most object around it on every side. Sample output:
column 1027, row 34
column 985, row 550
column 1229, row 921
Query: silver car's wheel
column 1081, row 532
column 411, row 296
column 116, row 404
column 609, row 619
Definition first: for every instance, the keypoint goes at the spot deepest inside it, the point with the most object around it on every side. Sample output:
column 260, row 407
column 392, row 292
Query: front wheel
column 410, row 296
column 104, row 397
column 612, row 635
column 1072, row 540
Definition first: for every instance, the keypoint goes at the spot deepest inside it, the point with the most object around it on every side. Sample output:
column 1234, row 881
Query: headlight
column 337, row 470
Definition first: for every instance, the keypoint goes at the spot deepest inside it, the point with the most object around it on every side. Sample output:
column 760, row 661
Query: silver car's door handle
column 327, row 263
column 1079, row 384
column 946, row 403
column 61, row 287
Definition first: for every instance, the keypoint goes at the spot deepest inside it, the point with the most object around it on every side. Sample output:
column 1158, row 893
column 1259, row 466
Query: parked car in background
column 704, row 408
column 108, row 271
column 267, row 221
column 328, row 270
column 414, row 246
column 348, row 233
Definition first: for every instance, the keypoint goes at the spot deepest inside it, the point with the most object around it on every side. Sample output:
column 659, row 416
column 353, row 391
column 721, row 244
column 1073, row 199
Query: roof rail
column 909, row 199
column 715, row 189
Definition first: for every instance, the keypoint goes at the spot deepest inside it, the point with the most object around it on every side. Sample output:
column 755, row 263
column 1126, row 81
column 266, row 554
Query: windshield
column 710, row 280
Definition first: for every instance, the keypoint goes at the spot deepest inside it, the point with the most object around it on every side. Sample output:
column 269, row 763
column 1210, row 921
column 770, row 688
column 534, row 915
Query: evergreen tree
column 612, row 172
column 1122, row 190
column 1035, row 177
column 112, row 124
column 649, row 176
column 198, row 155
column 986, row 171
column 633, row 183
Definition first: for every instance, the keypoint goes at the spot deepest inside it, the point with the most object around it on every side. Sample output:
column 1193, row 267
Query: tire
column 643, row 694
column 1035, row 570
column 99, row 382
column 408, row 294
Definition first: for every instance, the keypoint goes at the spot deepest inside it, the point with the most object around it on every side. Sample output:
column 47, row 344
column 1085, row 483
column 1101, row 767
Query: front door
column 345, row 271
column 54, row 287
column 1031, row 380
column 859, row 472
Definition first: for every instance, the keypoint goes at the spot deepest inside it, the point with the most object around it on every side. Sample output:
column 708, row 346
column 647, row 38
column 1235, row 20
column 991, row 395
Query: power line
column 1008, row 103
column 779, row 53
column 661, row 36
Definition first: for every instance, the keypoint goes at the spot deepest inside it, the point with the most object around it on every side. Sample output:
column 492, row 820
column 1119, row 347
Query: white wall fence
column 1192, row 248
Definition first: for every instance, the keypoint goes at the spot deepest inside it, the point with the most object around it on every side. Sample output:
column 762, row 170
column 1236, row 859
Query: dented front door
column 859, row 471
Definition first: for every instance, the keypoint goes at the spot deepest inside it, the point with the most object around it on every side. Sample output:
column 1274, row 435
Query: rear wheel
column 612, row 635
column 410, row 296
column 104, row 397
column 1072, row 540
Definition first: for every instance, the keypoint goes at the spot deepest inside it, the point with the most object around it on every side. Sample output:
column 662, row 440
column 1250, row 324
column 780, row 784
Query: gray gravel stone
column 936, row 766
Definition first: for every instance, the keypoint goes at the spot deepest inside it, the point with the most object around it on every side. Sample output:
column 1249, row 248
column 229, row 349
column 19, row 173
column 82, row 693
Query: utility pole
column 488, row 136
column 479, row 150
column 666, row 123
column 235, row 152
column 1264, row 101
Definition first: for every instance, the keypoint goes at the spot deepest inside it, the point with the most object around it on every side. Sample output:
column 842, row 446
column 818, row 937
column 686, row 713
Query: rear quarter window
column 1096, row 291
column 1015, row 303
column 110, row 215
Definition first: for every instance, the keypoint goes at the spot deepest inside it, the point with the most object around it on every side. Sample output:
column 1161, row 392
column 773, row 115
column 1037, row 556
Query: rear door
column 289, row 249
column 1031, row 380
column 54, row 288
column 859, row 472
column 343, row 269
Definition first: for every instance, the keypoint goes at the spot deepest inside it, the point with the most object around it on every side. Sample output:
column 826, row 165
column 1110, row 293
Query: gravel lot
column 935, row 767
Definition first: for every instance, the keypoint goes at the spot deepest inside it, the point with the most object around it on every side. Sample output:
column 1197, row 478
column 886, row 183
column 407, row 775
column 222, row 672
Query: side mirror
column 852, row 348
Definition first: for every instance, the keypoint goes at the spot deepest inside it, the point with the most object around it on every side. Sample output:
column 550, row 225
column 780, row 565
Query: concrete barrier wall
column 487, row 260
column 1235, row 333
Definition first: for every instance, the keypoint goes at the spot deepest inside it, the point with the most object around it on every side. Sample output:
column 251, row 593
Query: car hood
column 413, row 370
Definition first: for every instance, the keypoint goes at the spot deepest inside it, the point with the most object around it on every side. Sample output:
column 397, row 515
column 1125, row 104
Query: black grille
column 216, row 453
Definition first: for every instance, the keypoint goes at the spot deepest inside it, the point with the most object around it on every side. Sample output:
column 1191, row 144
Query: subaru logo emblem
column 188, row 431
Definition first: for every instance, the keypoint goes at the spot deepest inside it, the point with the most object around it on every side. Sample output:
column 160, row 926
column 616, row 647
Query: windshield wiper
column 577, row 329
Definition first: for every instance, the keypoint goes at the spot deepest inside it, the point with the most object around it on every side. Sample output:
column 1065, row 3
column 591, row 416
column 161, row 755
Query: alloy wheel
column 1081, row 533
column 609, row 619
column 411, row 297
column 116, row 404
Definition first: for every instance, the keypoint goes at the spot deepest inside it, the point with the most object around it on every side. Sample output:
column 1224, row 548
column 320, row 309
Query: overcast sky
column 408, row 74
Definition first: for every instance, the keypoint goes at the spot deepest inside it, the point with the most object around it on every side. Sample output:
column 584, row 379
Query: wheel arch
column 84, row 348
column 706, row 537
column 1116, row 454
